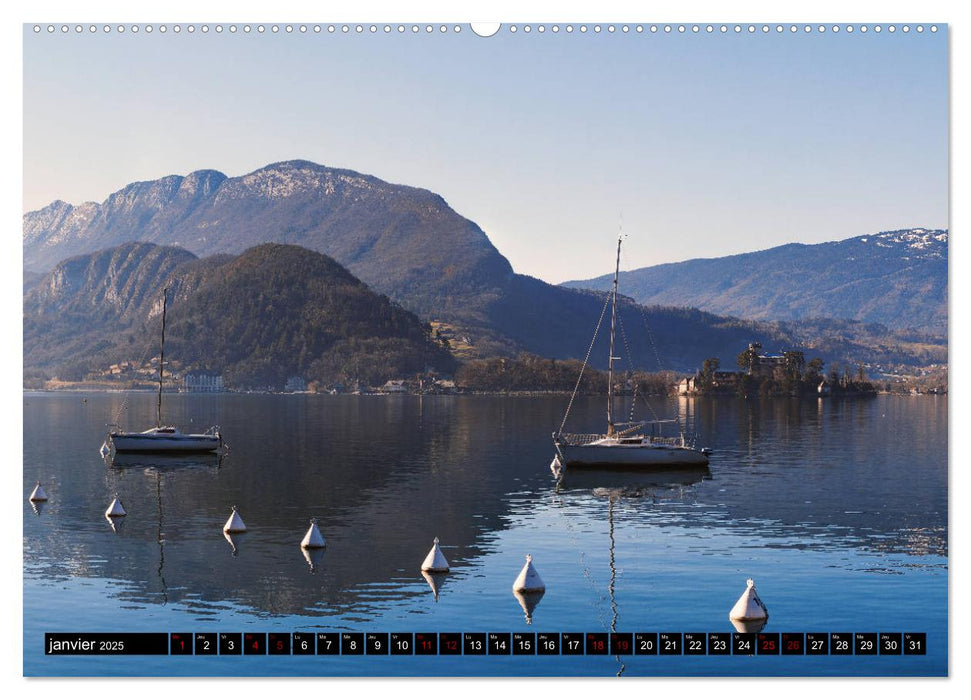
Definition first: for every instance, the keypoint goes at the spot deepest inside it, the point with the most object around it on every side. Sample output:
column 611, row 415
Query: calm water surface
column 838, row 510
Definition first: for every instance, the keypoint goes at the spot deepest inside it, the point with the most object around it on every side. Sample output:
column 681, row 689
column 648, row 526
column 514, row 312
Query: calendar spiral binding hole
column 417, row 29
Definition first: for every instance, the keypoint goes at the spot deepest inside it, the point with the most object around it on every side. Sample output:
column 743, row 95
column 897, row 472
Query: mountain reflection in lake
column 837, row 506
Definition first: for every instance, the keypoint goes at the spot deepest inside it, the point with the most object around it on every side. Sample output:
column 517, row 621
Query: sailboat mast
column 161, row 364
column 610, row 362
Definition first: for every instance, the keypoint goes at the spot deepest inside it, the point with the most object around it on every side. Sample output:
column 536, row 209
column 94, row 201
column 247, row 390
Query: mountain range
column 894, row 278
column 402, row 242
column 272, row 312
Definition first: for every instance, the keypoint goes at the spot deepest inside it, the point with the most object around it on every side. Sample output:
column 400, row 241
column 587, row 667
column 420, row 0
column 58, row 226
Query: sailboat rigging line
column 141, row 362
column 586, row 360
column 610, row 356
column 630, row 364
column 161, row 362
column 657, row 358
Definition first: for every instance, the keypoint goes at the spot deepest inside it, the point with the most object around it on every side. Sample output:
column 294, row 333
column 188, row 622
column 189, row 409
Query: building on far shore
column 765, row 365
column 295, row 384
column 394, row 386
column 202, row 381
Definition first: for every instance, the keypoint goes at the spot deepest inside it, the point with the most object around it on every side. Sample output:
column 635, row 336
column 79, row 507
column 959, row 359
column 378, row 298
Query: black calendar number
column 279, row 643
column 376, row 643
column 304, row 643
column 891, row 643
column 669, row 643
column 474, row 643
column 548, row 643
column 645, row 643
column 817, row 643
column 254, row 643
column 230, row 644
column 694, row 644
column 426, row 643
column 523, row 643
column 915, row 643
column 865, row 643
column 328, row 643
column 402, row 643
column 621, row 643
column 500, row 643
column 719, row 643
column 597, row 643
column 743, row 643
column 841, row 643
column 205, row 643
column 449, row 643
column 352, row 643
column 572, row 643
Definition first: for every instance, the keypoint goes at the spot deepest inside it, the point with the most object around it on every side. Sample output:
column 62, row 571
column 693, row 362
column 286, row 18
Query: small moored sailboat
column 161, row 438
column 624, row 445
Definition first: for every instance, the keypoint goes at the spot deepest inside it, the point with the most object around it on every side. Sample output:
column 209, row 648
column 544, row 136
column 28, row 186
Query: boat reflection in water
column 613, row 485
column 629, row 482
column 157, row 465
column 163, row 462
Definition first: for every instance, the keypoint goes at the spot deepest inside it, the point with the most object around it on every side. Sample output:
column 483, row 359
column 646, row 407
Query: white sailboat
column 162, row 438
column 624, row 445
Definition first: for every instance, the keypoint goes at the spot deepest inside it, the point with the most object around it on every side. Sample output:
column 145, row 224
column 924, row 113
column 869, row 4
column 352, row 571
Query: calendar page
column 516, row 349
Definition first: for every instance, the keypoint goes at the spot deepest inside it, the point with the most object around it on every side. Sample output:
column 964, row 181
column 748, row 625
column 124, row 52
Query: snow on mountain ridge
column 925, row 242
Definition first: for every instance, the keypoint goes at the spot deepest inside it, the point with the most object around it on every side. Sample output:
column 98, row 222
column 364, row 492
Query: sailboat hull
column 164, row 443
column 630, row 456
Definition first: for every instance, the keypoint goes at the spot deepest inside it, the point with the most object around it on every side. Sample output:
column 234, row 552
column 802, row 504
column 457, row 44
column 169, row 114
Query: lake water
column 837, row 509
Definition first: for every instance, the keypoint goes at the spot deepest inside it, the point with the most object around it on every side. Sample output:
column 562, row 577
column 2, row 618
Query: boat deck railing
column 670, row 441
column 577, row 439
column 580, row 438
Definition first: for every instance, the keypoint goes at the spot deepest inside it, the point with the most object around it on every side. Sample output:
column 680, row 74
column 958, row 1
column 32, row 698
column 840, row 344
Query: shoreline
column 520, row 393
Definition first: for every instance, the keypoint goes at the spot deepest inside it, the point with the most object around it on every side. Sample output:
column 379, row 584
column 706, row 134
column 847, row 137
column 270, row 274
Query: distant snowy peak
column 924, row 242
column 284, row 180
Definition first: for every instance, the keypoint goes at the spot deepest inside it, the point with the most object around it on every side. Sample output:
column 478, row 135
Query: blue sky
column 698, row 144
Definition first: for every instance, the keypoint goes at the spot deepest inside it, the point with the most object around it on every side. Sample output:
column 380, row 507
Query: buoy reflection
column 313, row 557
column 749, row 626
column 232, row 542
column 528, row 602
column 116, row 523
column 435, row 581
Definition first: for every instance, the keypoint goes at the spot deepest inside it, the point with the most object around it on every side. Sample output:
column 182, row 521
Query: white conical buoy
column 435, row 561
column 38, row 494
column 749, row 607
column 115, row 510
column 235, row 523
column 556, row 467
column 528, row 580
column 313, row 539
